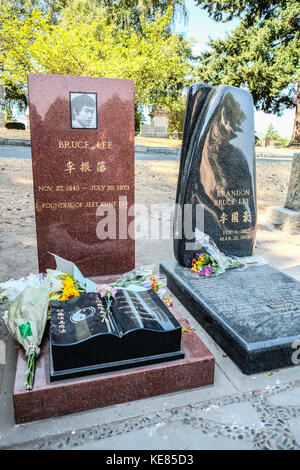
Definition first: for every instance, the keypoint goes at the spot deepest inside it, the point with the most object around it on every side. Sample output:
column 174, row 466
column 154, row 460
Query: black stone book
column 84, row 339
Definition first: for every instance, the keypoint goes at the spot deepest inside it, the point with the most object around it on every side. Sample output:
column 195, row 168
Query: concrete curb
column 26, row 143
column 164, row 150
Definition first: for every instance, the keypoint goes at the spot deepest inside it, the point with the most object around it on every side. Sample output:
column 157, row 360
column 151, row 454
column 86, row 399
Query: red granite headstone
column 82, row 138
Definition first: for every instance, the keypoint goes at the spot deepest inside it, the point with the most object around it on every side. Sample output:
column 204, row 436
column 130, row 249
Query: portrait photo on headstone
column 83, row 110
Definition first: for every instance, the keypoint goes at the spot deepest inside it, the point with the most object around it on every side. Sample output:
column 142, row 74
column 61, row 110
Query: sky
column 201, row 27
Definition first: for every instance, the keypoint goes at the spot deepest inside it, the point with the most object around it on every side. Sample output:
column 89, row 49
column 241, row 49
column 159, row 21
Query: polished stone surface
column 77, row 170
column 293, row 195
column 85, row 339
column 217, row 172
column 64, row 397
column 253, row 314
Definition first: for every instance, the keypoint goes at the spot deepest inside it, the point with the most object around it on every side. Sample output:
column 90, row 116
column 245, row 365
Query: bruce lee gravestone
column 82, row 137
column 253, row 314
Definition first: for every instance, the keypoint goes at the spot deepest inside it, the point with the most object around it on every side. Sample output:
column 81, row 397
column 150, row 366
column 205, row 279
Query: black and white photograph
column 83, row 108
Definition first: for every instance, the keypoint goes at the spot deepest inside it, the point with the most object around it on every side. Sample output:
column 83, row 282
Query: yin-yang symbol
column 82, row 314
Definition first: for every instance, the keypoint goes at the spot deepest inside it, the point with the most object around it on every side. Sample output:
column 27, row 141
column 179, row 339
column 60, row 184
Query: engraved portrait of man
column 83, row 110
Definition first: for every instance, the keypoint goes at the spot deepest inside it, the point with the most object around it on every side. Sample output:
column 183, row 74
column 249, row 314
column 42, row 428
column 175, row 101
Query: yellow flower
column 68, row 282
column 69, row 293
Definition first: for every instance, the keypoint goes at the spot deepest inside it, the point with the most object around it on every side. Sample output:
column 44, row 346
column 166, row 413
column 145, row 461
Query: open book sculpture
column 85, row 340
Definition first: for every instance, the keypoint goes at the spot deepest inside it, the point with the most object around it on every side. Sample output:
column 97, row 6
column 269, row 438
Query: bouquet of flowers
column 137, row 279
column 205, row 264
column 28, row 309
column 26, row 316
column 70, row 287
column 142, row 279
column 210, row 261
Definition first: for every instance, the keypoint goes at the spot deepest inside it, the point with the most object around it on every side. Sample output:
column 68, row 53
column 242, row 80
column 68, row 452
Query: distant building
column 158, row 126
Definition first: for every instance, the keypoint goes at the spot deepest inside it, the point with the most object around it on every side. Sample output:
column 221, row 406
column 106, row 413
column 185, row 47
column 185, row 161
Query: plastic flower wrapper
column 12, row 288
column 26, row 319
column 137, row 280
column 210, row 261
column 140, row 279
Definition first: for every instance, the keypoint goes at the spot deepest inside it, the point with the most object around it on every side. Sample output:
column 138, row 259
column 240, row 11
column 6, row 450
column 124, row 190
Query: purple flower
column 206, row 271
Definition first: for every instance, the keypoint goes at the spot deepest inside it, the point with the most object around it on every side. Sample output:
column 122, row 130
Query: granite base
column 253, row 314
column 288, row 220
column 48, row 400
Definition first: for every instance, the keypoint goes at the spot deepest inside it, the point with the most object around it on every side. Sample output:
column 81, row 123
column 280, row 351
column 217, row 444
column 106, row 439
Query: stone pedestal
column 48, row 400
column 288, row 217
column 293, row 195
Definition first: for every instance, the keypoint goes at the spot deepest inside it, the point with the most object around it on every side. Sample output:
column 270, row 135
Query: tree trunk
column 295, row 141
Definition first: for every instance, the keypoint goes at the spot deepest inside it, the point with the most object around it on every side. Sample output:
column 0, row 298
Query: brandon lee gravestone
column 217, row 170
column 253, row 314
column 82, row 137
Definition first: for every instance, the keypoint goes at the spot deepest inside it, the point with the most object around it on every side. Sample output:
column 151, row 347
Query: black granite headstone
column 253, row 314
column 84, row 339
column 217, row 171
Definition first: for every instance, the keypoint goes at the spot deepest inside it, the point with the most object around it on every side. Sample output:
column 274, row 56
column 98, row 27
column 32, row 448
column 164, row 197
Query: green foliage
column 155, row 59
column 138, row 117
column 176, row 115
column 127, row 13
column 272, row 134
column 262, row 54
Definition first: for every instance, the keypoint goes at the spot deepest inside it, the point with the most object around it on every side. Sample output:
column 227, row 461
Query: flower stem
column 108, row 302
column 29, row 376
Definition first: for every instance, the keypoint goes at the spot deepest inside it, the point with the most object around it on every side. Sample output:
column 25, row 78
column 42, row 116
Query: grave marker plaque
column 253, row 314
column 82, row 138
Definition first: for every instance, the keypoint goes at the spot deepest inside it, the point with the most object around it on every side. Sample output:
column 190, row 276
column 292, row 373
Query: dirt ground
column 155, row 184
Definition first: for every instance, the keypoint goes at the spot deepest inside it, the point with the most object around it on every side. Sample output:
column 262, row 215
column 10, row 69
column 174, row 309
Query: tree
column 128, row 13
column 176, row 115
column 154, row 58
column 262, row 54
column 273, row 134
